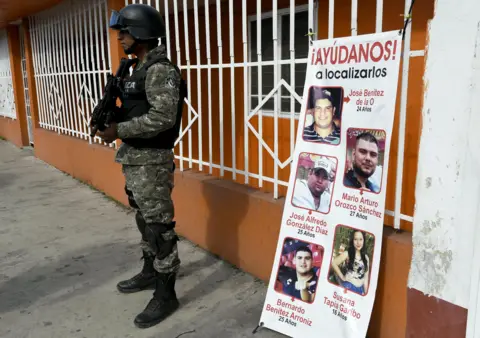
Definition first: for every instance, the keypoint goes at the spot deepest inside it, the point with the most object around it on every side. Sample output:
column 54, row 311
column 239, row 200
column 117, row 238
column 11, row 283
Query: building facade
column 240, row 126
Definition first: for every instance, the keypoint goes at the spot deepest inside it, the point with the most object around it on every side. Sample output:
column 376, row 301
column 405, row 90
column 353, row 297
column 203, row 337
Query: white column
column 446, row 231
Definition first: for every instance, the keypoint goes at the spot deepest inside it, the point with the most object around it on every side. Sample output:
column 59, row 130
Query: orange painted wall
column 392, row 20
column 10, row 130
column 90, row 163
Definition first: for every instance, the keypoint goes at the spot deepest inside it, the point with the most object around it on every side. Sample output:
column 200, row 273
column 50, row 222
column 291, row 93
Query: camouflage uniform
column 149, row 171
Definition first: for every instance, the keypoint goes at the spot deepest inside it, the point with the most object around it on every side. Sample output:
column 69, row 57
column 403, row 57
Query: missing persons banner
column 325, row 271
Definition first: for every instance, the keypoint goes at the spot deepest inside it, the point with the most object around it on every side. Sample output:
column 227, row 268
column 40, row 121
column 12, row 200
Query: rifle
column 104, row 112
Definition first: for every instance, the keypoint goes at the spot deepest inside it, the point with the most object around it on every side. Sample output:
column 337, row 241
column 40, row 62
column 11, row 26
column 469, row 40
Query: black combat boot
column 163, row 303
column 141, row 281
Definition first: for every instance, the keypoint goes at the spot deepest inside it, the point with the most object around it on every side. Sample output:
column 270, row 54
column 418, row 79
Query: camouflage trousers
column 149, row 189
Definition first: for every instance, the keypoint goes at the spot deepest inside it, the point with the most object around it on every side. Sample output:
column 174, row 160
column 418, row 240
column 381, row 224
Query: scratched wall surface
column 447, row 187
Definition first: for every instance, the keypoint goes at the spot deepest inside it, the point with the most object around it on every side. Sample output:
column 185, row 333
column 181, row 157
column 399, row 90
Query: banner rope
column 408, row 19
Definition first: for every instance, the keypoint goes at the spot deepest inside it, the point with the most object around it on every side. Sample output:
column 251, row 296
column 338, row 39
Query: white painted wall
column 448, row 183
column 7, row 99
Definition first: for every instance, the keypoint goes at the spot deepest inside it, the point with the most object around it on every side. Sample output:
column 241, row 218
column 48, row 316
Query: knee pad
column 141, row 224
column 161, row 247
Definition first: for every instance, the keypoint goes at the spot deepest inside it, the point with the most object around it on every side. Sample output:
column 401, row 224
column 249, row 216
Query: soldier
column 152, row 101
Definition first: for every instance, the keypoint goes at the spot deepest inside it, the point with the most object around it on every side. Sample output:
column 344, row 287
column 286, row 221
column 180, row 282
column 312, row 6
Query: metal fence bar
column 36, row 70
column 75, row 69
column 187, row 59
column 199, row 87
column 241, row 172
column 292, row 75
column 60, row 112
column 61, row 69
column 310, row 16
column 167, row 26
column 26, row 89
column 95, row 50
column 65, row 78
column 67, row 67
column 46, row 69
column 277, row 97
column 95, row 89
column 403, row 119
column 71, row 78
column 89, row 81
column 99, row 57
column 43, row 70
column 102, row 41
column 52, row 85
column 84, row 76
column 415, row 53
column 354, row 17
column 220, row 85
column 232, row 88
column 260, row 112
column 209, row 80
column 86, row 72
column 249, row 64
column 60, row 78
column 81, row 77
column 54, row 65
column 79, row 68
column 64, row 64
column 179, row 63
column 331, row 18
column 379, row 17
column 245, row 88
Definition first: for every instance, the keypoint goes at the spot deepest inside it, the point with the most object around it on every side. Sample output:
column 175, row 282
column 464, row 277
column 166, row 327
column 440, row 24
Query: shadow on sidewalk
column 6, row 179
column 225, row 217
column 73, row 274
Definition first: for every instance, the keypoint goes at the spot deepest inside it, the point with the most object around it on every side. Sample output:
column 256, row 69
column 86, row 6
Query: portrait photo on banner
column 351, row 262
column 364, row 159
column 323, row 118
column 314, row 183
column 299, row 269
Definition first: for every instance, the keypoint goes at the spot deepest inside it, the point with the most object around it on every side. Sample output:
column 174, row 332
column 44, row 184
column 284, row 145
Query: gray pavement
column 63, row 248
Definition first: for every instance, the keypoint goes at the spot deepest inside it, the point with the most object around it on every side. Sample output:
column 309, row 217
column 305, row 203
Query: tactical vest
column 135, row 104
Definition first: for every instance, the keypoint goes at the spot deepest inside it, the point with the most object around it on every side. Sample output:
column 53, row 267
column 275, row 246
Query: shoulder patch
column 171, row 81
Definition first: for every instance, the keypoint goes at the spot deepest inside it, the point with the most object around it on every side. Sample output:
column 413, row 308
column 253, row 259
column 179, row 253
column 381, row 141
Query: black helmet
column 143, row 22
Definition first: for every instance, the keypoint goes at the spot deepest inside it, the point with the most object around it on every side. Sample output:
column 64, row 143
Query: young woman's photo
column 352, row 267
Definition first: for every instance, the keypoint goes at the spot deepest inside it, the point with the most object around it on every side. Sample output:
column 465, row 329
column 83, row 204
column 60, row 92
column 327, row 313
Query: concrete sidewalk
column 63, row 248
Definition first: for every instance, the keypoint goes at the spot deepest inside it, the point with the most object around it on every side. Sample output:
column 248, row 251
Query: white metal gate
column 71, row 55
column 7, row 100
column 25, row 86
column 281, row 69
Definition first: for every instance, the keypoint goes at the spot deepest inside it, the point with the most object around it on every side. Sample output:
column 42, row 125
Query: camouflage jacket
column 162, row 89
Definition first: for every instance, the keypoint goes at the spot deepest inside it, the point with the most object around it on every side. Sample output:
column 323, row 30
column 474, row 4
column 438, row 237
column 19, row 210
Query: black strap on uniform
column 161, row 59
column 164, row 59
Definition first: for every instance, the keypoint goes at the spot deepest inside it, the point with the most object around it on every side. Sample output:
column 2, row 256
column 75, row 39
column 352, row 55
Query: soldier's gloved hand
column 109, row 135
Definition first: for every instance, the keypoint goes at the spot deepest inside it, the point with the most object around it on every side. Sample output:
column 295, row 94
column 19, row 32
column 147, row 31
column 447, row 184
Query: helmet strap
column 132, row 48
